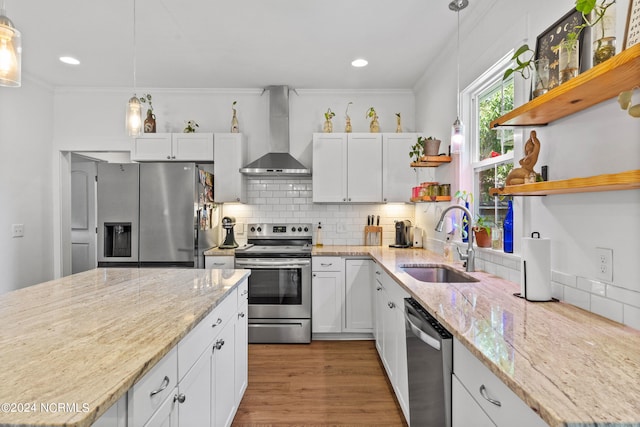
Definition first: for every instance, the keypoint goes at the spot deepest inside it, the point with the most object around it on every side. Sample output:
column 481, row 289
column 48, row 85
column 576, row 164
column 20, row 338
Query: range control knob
column 253, row 229
column 299, row 228
column 306, row 229
column 259, row 229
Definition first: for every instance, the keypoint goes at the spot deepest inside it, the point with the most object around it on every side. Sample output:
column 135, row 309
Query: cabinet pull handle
column 168, row 157
column 379, row 288
column 180, row 398
column 483, row 393
column 217, row 323
column 315, row 275
column 241, row 314
column 323, row 264
column 163, row 386
column 218, row 263
column 218, row 345
column 378, row 273
column 391, row 304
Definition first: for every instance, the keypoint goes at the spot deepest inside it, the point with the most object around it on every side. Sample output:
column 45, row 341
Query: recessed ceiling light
column 359, row 62
column 69, row 60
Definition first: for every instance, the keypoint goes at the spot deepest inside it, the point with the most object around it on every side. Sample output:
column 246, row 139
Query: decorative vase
column 483, row 239
column 235, row 127
column 569, row 56
column 150, row 123
column 347, row 126
column 603, row 36
column 374, row 126
column 507, row 228
column 540, row 77
column 327, row 127
column 465, row 225
column 431, row 147
column 398, row 124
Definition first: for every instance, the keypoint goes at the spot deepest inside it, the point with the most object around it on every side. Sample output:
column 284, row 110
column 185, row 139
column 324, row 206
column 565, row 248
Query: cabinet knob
column 385, row 199
column 391, row 305
column 379, row 288
column 315, row 275
column 241, row 314
column 344, row 200
column 173, row 157
column 237, row 199
column 180, row 398
column 349, row 198
column 168, row 157
column 218, row 345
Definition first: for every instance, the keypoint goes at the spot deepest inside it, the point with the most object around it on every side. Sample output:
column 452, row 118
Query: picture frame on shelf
column 632, row 27
column 552, row 36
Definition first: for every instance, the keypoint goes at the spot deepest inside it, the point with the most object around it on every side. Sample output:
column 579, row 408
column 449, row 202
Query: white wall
column 602, row 139
column 26, row 124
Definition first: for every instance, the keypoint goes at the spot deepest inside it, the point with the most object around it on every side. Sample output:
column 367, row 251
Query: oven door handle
column 271, row 264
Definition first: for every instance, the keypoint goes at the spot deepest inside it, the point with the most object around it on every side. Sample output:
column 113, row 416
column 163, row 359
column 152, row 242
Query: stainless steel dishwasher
column 429, row 361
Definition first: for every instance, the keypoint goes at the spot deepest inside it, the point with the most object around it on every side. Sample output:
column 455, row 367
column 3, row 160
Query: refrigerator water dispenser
column 117, row 239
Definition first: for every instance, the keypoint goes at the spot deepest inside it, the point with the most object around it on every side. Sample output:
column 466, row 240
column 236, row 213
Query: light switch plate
column 17, row 230
column 604, row 264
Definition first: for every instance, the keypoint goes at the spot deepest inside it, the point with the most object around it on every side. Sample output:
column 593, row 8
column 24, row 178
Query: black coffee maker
column 404, row 237
column 228, row 222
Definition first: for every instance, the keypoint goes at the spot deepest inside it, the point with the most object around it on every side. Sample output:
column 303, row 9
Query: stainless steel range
column 279, row 257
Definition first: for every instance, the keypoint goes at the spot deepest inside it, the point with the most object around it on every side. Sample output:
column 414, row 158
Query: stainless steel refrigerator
column 155, row 214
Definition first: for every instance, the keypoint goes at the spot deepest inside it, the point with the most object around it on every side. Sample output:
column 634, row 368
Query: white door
column 83, row 215
column 364, row 171
column 195, row 387
column 326, row 301
column 358, row 296
column 397, row 176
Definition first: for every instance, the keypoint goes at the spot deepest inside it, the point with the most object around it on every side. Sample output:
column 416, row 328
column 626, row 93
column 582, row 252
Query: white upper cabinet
column 397, row 176
column 347, row 167
column 173, row 147
column 229, row 185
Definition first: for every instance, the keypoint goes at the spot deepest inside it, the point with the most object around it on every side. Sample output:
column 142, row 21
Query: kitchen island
column 572, row 367
column 73, row 346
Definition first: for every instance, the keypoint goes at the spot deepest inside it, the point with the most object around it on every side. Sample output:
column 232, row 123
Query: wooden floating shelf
column 628, row 180
column 424, row 199
column 431, row 161
column 600, row 83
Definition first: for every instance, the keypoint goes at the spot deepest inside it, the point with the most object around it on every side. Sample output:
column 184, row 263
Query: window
column 492, row 152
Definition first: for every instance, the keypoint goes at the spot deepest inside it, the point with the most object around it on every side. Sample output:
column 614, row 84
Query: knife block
column 372, row 235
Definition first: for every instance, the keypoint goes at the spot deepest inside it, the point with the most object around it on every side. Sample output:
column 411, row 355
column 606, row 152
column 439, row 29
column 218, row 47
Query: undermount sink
column 436, row 274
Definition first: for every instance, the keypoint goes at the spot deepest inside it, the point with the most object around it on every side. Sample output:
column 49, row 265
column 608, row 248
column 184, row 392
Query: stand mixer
column 228, row 222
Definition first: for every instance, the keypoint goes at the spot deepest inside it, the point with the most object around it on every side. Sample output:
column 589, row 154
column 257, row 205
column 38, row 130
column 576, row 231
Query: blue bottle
column 508, row 230
column 465, row 225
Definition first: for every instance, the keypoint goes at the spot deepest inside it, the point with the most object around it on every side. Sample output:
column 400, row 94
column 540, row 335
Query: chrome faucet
column 469, row 257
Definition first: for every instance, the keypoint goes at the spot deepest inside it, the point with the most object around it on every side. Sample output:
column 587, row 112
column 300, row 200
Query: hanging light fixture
column 10, row 52
column 134, row 109
column 457, row 129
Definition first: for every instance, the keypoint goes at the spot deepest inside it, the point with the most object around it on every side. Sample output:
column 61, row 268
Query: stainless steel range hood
column 278, row 162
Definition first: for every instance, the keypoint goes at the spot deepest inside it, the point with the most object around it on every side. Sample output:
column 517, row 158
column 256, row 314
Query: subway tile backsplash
column 291, row 201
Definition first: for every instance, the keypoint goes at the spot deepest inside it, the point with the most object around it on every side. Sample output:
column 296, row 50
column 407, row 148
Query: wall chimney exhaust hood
column 278, row 162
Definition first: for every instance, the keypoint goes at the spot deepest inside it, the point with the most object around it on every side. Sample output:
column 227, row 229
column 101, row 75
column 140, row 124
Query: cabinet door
column 152, row 146
column 327, row 288
column 330, row 167
column 364, row 170
column 223, row 377
column 388, row 340
column 229, row 151
column 195, row 387
column 242, row 352
column 167, row 413
column 358, row 296
column 378, row 308
column 116, row 416
column 465, row 410
column 397, row 176
column 192, row 146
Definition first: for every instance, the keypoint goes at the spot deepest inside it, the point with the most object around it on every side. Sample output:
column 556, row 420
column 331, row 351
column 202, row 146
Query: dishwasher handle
column 424, row 337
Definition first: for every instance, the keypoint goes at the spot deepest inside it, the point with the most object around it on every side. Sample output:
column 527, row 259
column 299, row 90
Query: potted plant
column 431, row 145
column 191, row 126
column 150, row 121
column 417, row 150
column 482, row 231
column 328, row 125
column 374, row 126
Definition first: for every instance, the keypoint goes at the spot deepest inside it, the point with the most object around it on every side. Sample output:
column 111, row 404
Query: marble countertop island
column 572, row 367
column 71, row 347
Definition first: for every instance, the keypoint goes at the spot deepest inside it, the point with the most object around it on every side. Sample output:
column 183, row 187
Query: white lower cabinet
column 327, row 294
column 201, row 381
column 501, row 405
column 219, row 262
column 466, row 412
column 389, row 329
column 116, row 415
column 358, row 294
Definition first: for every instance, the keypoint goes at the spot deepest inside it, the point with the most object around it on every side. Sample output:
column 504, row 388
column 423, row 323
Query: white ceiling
column 233, row 43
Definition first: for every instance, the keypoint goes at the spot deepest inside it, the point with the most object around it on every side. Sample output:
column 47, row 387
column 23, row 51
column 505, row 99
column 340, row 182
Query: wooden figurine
column 531, row 150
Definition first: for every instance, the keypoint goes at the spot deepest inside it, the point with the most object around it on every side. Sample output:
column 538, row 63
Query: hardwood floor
column 336, row 383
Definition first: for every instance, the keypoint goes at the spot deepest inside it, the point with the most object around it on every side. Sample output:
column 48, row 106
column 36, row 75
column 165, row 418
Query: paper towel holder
column 534, row 235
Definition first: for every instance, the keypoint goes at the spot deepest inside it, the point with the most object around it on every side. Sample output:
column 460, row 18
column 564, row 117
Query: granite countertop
column 85, row 339
column 219, row 252
column 571, row 366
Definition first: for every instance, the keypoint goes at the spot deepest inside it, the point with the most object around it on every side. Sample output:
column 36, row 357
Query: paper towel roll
column 535, row 271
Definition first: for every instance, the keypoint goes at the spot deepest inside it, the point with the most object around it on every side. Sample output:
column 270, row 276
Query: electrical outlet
column 17, row 230
column 604, row 264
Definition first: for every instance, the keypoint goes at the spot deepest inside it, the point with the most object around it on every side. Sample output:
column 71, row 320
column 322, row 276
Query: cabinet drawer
column 148, row 394
column 201, row 337
column 324, row 263
column 476, row 376
column 219, row 261
column 243, row 293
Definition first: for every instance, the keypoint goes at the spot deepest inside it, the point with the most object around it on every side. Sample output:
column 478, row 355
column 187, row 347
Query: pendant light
column 10, row 52
column 457, row 129
column 134, row 109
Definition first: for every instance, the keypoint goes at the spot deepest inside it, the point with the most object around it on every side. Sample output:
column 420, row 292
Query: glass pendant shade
column 457, row 136
column 10, row 53
column 134, row 116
